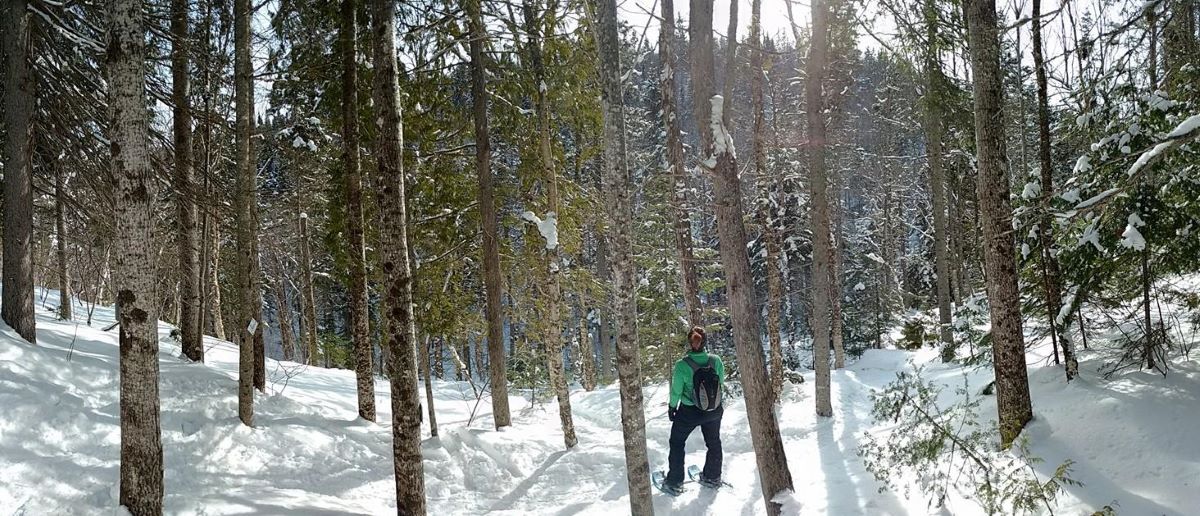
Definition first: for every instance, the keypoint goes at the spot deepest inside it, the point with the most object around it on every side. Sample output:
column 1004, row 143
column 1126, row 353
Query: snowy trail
column 308, row 454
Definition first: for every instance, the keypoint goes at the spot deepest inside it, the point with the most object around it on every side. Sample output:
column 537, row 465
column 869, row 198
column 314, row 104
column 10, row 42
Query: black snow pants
column 686, row 420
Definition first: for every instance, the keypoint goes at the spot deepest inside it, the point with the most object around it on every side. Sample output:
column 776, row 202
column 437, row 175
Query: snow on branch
column 1187, row 130
column 548, row 227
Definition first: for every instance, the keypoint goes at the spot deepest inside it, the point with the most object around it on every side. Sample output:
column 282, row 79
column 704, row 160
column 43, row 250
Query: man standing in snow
column 696, row 402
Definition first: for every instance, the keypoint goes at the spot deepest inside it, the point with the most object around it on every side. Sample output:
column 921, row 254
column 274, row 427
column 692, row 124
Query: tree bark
column 675, row 168
column 427, row 368
column 359, row 316
column 309, row 328
column 216, row 319
column 535, row 24
column 623, row 296
column 1181, row 41
column 283, row 309
column 822, row 247
column 764, row 428
column 1050, row 268
column 767, row 205
column 190, row 318
column 731, row 44
column 141, row 476
column 937, row 181
column 247, row 193
column 587, row 354
column 1008, row 344
column 487, row 208
column 836, row 333
column 16, row 300
column 604, row 323
column 60, row 238
column 401, row 335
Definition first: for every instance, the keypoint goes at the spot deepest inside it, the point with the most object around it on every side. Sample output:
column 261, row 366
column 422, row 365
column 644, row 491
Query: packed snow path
column 1132, row 439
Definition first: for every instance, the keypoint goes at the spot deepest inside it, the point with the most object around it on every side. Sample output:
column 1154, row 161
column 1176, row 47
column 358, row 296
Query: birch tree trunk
column 401, row 335
column 141, row 476
column 822, row 254
column 675, row 168
column 247, row 193
column 359, row 316
column 535, row 24
column 60, row 237
column 190, row 319
column 937, row 180
column 1008, row 344
column 487, row 208
column 769, row 454
column 623, row 295
column 16, row 299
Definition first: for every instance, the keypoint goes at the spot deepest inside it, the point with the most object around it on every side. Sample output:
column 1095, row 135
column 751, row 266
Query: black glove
column 671, row 413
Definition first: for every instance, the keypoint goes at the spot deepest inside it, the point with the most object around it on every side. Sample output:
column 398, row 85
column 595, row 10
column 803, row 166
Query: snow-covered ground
column 1133, row 439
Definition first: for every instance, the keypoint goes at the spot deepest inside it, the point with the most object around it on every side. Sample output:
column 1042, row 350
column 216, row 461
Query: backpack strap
column 694, row 365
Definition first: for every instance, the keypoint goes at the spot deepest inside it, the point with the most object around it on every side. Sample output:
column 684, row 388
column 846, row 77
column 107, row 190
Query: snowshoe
column 659, row 479
column 696, row 476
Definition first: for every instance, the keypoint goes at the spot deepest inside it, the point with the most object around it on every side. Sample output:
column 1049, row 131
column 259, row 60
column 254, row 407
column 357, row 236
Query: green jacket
column 681, row 377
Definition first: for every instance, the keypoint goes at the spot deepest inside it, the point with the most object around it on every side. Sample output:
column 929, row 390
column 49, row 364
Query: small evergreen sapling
column 947, row 450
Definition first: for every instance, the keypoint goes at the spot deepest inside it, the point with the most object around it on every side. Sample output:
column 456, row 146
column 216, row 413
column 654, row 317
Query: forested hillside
column 444, row 257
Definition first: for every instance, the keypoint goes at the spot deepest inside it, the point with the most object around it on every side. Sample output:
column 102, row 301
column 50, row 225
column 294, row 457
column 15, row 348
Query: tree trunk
column 204, row 66
column 767, row 205
column 1050, row 269
column 16, row 300
column 604, row 322
column 675, row 168
column 587, row 353
column 1008, row 344
column 1147, row 322
column 439, row 359
column 359, row 316
column 764, row 428
column 822, row 247
column 215, row 318
column 190, row 320
column 535, row 24
column 247, row 192
column 60, row 237
column 962, row 288
column 427, row 368
column 835, row 278
column 730, row 65
column 309, row 328
column 623, row 297
column 283, row 309
column 464, row 357
column 937, row 180
column 480, row 356
column 401, row 336
column 487, row 210
column 141, row 480
column 1180, row 44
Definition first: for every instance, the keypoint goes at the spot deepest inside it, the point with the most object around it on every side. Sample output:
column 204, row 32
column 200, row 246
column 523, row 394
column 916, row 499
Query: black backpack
column 706, row 385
